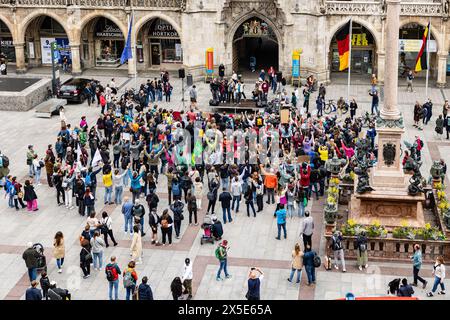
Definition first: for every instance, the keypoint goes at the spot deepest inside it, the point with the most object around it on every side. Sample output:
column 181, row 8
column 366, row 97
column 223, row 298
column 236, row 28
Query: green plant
column 404, row 232
column 351, row 228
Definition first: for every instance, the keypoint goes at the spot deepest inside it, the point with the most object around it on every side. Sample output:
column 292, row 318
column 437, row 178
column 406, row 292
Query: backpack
column 176, row 189
column 12, row 190
column 337, row 245
column 363, row 247
column 111, row 273
column 41, row 164
column 210, row 196
column 316, row 260
column 217, row 253
column 88, row 180
column 128, row 280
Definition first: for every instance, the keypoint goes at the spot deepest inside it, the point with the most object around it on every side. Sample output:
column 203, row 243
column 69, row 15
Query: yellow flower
column 351, row 222
column 427, row 226
column 376, row 223
column 404, row 223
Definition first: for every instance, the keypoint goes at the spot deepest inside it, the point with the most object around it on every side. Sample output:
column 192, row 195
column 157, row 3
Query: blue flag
column 127, row 53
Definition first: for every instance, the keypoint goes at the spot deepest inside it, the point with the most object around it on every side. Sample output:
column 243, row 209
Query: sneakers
column 430, row 294
column 360, row 268
column 218, row 279
column 441, row 292
column 336, row 267
column 343, row 270
column 366, row 266
column 425, row 284
column 289, row 280
column 85, row 277
column 60, row 271
column 228, row 276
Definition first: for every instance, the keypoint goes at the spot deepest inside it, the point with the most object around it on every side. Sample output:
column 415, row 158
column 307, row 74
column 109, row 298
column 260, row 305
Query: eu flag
column 127, row 53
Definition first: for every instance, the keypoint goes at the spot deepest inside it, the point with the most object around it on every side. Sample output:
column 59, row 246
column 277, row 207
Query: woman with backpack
column 439, row 276
column 130, row 278
column 106, row 228
column 30, row 196
column 361, row 245
column 59, row 250
column 166, row 227
column 176, row 188
column 136, row 245
column 85, row 258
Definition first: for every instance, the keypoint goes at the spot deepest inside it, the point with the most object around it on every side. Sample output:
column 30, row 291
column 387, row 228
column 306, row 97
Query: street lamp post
column 53, row 47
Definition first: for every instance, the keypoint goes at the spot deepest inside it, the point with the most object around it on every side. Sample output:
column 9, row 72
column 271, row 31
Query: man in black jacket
column 144, row 290
column 138, row 211
column 405, row 289
column 154, row 220
column 225, row 198
column 31, row 256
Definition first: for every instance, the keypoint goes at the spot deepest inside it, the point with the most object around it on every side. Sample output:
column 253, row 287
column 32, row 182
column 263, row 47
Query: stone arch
column 9, row 24
column 38, row 13
column 363, row 23
column 417, row 20
column 89, row 17
column 148, row 17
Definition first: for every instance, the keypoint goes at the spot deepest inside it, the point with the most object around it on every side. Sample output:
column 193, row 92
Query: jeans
column 37, row 177
column 225, row 210
column 114, row 286
column 31, row 170
column 59, row 263
column 301, row 209
column 125, row 180
column 237, row 200
column 98, row 259
column 270, row 195
column 177, row 225
column 130, row 291
column 313, row 188
column 118, row 191
column 279, row 226
column 290, row 209
column 250, row 204
column 225, row 182
column 223, row 266
column 32, row 273
column 311, row 274
column 416, row 275
column 375, row 108
column 299, row 274
column 437, row 282
column 339, row 255
column 116, row 160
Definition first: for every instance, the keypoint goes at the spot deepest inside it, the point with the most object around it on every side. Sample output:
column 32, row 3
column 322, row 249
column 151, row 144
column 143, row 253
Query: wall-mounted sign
column 360, row 39
column 109, row 31
column 414, row 45
column 162, row 29
column 31, row 50
column 178, row 50
column 62, row 50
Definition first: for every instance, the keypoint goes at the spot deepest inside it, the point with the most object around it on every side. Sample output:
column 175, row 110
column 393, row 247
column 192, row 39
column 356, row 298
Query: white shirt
column 187, row 273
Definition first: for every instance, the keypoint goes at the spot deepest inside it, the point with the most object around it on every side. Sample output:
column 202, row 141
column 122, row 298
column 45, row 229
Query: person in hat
column 221, row 254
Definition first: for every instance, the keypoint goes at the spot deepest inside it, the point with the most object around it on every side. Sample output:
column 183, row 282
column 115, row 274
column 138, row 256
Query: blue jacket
column 127, row 208
column 417, row 259
column 145, row 292
column 281, row 216
column 93, row 175
column 308, row 258
column 135, row 184
column 33, row 294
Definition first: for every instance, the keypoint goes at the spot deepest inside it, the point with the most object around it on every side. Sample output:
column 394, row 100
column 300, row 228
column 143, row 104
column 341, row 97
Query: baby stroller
column 207, row 231
column 41, row 262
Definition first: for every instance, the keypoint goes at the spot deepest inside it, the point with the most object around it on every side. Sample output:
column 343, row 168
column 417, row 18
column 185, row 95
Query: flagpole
column 135, row 54
column 349, row 60
column 428, row 58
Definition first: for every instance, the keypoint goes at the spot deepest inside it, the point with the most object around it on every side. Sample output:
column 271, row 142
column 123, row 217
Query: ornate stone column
column 131, row 65
column 442, row 69
column 76, row 59
column 20, row 57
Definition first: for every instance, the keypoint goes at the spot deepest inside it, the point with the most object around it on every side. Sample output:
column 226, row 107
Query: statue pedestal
column 390, row 207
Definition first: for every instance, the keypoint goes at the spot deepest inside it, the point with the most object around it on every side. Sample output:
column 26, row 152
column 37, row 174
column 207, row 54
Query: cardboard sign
column 284, row 115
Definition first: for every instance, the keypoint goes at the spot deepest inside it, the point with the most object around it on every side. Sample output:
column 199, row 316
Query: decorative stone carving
column 353, row 8
column 389, row 153
column 390, row 123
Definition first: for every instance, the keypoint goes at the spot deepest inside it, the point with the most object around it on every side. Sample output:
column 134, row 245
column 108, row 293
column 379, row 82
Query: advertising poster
column 63, row 50
column 412, row 45
column 46, row 50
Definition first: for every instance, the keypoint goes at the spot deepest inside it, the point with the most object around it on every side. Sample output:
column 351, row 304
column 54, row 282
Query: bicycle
column 331, row 106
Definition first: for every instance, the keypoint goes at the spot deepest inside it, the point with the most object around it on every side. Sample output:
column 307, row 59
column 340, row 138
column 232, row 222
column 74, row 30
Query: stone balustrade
column 431, row 8
column 113, row 4
column 389, row 249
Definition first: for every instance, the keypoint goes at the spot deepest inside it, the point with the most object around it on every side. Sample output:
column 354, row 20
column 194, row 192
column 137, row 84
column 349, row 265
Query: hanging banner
column 296, row 63
column 413, row 45
column 46, row 50
column 209, row 61
column 62, row 50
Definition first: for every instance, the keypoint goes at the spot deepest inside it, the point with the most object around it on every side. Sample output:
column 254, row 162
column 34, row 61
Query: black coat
column 29, row 194
column 145, row 292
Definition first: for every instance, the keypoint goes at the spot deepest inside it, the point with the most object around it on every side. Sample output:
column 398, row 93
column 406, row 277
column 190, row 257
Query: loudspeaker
column 190, row 80
column 181, row 73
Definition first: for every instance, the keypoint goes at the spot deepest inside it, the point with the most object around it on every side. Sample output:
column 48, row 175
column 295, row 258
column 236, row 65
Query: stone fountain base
column 390, row 207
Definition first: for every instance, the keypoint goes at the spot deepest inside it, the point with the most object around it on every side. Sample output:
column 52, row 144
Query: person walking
column 176, row 287
column 361, row 245
column 33, row 293
column 85, row 258
column 30, row 196
column 417, row 265
column 130, row 278
column 144, row 290
column 307, row 230
column 112, row 272
column 254, row 284
column 186, row 279
column 136, row 246
column 439, row 276
column 308, row 262
column 98, row 246
column 297, row 263
column 31, row 256
column 59, row 250
column 222, row 254
column 338, row 250
column 106, row 228
column 225, row 199
column 45, row 284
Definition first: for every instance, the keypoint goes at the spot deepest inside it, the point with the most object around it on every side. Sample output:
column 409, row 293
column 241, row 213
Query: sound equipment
column 181, row 73
column 190, row 80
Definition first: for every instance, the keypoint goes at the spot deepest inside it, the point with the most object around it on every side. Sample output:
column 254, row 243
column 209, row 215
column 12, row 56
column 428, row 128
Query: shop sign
column 360, row 40
column 6, row 43
column 109, row 31
column 414, row 45
column 163, row 30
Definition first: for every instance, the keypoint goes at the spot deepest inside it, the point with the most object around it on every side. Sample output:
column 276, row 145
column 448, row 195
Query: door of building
column 156, row 53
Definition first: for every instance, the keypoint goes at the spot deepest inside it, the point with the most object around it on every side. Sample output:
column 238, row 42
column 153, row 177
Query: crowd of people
column 133, row 144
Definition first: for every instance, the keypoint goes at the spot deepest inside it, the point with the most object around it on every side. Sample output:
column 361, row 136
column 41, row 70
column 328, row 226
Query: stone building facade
column 170, row 34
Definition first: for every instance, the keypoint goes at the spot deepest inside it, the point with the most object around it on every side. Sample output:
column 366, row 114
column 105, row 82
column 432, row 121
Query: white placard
column 178, row 49
column 31, row 50
column 46, row 50
column 413, row 45
column 126, row 136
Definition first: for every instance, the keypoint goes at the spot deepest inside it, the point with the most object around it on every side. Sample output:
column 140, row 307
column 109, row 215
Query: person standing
column 138, row 212
column 33, row 293
column 45, row 284
column 338, row 250
column 97, row 245
column 225, row 199
column 154, row 220
column 187, row 278
column 320, row 102
column 30, row 256
column 307, row 230
column 361, row 245
column 254, row 284
column 144, row 290
column 59, row 250
column 136, row 246
column 85, row 258
column 297, row 263
column 127, row 209
column 306, row 94
column 445, row 109
column 439, row 126
column 30, row 196
column 192, row 208
column 409, row 81
column 130, row 278
column 176, row 287
column 30, row 157
column 222, row 254
column 375, row 101
column 439, row 276
column 353, row 107
column 113, row 271
column 447, row 126
column 417, row 265
column 177, row 209
column 281, row 221
column 166, row 227
column 308, row 262
column 106, row 225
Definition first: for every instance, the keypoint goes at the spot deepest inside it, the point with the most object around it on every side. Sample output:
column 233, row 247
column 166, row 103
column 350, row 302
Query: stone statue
column 362, row 170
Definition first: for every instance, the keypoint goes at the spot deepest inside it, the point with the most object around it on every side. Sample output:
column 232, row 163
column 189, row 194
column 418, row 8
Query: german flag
column 421, row 61
column 343, row 42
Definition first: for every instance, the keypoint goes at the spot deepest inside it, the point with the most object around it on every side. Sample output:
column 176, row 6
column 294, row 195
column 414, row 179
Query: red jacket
column 305, row 178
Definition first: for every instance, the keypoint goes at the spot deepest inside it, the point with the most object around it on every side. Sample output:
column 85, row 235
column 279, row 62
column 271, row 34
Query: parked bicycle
column 331, row 106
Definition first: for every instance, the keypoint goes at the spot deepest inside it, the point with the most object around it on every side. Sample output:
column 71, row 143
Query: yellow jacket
column 107, row 180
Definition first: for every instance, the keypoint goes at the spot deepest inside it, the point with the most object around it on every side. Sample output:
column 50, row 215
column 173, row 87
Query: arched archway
column 158, row 43
column 38, row 31
column 7, row 51
column 255, row 44
column 102, row 41
column 364, row 51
